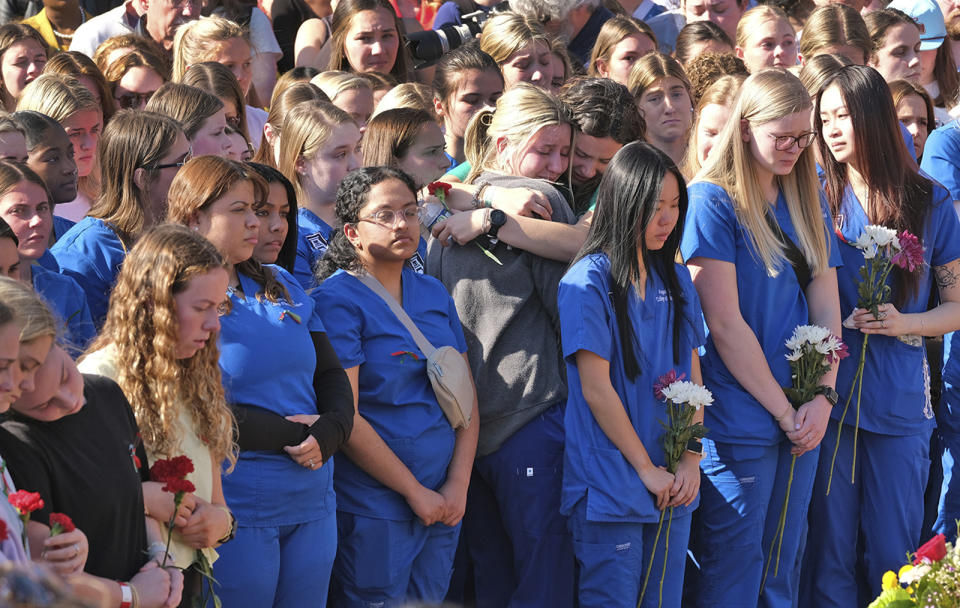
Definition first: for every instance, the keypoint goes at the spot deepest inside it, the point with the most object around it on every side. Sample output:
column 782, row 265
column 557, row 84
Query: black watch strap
column 497, row 219
column 831, row 395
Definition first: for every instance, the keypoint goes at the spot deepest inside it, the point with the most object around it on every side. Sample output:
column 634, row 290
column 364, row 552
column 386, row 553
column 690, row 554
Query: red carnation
column 172, row 468
column 910, row 256
column 931, row 551
column 439, row 190
column 664, row 381
column 176, row 486
column 60, row 523
column 25, row 502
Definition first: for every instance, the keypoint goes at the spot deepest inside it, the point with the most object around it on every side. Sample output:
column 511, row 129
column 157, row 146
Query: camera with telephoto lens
column 427, row 46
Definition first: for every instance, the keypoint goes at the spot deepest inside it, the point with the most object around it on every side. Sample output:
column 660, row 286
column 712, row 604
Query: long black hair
column 626, row 203
column 352, row 195
column 288, row 251
column 899, row 195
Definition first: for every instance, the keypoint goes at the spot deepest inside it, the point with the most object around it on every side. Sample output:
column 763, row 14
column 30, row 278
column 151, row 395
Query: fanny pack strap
column 793, row 254
column 370, row 281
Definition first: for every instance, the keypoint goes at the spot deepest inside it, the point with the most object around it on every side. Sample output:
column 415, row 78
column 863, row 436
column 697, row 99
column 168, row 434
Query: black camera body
column 428, row 46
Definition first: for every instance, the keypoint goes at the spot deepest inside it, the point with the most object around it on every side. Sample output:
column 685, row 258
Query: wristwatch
column 829, row 393
column 694, row 445
column 497, row 219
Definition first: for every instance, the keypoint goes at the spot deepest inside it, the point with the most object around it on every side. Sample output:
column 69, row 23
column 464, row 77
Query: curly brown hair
column 142, row 326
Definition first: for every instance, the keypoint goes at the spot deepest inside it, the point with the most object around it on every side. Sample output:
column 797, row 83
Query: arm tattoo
column 946, row 278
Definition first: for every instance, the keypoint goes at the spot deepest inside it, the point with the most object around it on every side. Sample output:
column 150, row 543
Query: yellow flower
column 903, row 571
column 890, row 580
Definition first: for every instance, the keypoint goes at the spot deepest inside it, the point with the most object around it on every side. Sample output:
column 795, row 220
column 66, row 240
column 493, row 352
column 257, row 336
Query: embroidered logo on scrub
column 622, row 547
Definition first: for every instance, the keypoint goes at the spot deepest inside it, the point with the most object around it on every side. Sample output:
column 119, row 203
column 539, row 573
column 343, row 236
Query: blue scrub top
column 267, row 359
column 70, row 304
column 91, row 253
column 593, row 466
column 941, row 157
column 896, row 379
column 771, row 305
column 313, row 234
column 395, row 395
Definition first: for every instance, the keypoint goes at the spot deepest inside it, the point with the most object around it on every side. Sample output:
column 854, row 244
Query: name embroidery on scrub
column 416, row 263
column 317, row 241
column 662, row 296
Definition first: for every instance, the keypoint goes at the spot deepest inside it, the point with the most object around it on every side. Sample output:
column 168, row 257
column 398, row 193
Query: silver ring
column 76, row 550
column 310, row 462
column 883, row 324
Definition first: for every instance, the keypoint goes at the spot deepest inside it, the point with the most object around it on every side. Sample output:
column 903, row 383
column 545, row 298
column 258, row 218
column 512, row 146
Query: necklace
column 68, row 37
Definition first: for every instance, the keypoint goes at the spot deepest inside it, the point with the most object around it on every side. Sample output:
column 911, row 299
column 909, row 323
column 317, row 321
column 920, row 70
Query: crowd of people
column 238, row 239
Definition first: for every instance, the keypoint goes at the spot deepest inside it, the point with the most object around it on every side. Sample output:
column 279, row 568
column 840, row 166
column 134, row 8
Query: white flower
column 865, row 241
column 807, row 334
column 882, row 235
column 915, row 574
column 683, row 391
column 794, row 355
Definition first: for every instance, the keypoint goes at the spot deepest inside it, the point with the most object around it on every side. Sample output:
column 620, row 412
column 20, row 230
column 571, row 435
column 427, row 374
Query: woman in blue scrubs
column 402, row 478
column 318, row 146
column 139, row 154
column 869, row 524
column 275, row 358
column 756, row 196
column 25, row 205
column 628, row 314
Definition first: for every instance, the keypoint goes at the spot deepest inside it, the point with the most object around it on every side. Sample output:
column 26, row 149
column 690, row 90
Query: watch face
column 498, row 217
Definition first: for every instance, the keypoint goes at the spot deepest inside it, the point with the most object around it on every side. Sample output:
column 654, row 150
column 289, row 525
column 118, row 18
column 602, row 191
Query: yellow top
column 104, row 363
column 40, row 23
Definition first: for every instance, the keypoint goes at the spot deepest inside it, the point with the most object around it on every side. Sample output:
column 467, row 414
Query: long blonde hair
column 291, row 96
column 722, row 92
column 521, row 111
column 506, row 33
column 196, row 41
column 833, row 25
column 769, row 95
column 142, row 326
column 305, row 130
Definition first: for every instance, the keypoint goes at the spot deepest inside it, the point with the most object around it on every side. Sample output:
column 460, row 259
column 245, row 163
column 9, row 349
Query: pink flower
column 664, row 381
column 910, row 256
column 841, row 352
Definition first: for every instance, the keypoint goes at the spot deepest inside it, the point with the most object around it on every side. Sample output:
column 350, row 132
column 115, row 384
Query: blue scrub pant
column 866, row 527
column 521, row 549
column 382, row 563
column 279, row 566
column 741, row 497
column 613, row 560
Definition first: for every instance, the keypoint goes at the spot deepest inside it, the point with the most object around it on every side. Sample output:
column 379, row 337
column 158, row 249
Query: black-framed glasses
column 388, row 217
column 785, row 142
column 133, row 101
column 177, row 163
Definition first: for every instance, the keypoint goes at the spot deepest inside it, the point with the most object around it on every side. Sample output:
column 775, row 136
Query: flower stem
column 857, row 377
column 783, row 515
column 656, row 541
column 856, row 426
column 666, row 548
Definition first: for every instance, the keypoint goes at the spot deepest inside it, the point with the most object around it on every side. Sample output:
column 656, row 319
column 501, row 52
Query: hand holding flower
column 160, row 505
column 812, row 419
column 659, row 482
column 686, row 480
column 888, row 322
column 66, row 552
column 207, row 524
column 461, row 227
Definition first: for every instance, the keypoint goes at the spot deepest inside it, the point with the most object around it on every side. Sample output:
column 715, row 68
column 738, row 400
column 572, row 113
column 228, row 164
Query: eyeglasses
column 785, row 142
column 388, row 218
column 134, row 101
column 177, row 163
